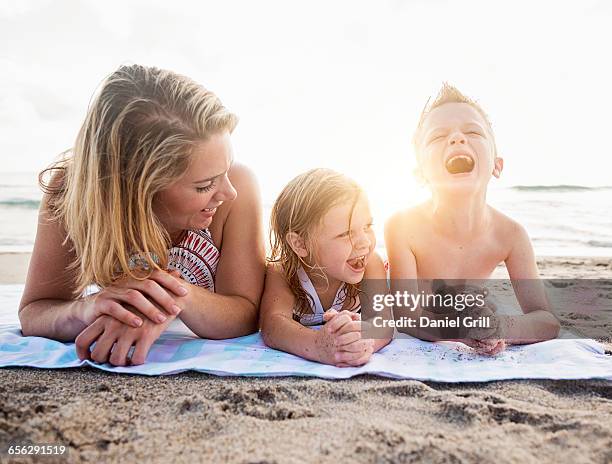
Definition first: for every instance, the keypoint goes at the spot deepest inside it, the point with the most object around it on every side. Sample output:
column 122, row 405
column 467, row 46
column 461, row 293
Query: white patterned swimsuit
column 316, row 317
column 196, row 258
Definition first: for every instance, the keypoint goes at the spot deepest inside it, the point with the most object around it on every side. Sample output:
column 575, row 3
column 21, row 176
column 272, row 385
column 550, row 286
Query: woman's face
column 192, row 201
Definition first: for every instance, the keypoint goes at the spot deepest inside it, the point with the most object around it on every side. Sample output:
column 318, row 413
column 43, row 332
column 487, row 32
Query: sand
column 14, row 267
column 200, row 418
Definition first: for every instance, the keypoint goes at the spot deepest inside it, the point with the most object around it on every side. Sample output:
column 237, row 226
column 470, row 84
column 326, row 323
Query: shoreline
column 14, row 267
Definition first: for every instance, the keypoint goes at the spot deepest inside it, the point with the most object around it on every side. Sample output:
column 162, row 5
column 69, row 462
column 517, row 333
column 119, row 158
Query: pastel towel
column 177, row 350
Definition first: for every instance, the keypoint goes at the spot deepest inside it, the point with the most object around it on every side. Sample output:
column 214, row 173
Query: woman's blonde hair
column 300, row 208
column 136, row 140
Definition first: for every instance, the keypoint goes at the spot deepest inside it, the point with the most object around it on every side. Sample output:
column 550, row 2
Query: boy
column 456, row 234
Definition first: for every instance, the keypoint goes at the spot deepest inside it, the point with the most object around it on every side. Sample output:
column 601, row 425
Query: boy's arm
column 538, row 323
column 403, row 268
column 376, row 273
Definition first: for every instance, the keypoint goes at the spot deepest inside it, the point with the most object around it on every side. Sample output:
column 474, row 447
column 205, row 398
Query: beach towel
column 179, row 350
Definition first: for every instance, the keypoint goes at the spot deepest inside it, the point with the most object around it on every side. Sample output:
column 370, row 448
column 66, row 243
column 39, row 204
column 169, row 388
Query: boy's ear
column 297, row 244
column 498, row 166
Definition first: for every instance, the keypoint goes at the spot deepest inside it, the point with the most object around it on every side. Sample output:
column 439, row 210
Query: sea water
column 562, row 220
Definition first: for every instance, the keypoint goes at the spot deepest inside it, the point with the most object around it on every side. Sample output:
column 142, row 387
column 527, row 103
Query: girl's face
column 192, row 201
column 343, row 246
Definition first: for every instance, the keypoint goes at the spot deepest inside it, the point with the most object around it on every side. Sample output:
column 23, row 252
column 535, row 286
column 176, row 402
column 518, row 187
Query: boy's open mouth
column 459, row 164
column 357, row 264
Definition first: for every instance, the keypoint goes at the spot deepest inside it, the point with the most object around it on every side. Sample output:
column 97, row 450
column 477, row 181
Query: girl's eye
column 344, row 234
column 369, row 226
column 435, row 139
column 475, row 133
column 205, row 189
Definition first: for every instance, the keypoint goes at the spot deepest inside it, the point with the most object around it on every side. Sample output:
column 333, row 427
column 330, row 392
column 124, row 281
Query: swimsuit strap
column 317, row 316
column 340, row 298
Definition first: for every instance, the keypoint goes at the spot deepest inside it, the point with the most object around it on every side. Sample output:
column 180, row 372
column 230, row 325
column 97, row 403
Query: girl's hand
column 339, row 341
column 331, row 313
column 114, row 339
column 161, row 287
column 350, row 340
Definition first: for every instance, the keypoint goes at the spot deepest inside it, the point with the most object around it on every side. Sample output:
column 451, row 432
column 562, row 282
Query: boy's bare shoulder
column 505, row 226
column 406, row 219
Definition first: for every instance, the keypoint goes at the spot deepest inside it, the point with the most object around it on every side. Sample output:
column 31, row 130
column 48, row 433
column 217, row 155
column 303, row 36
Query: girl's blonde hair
column 300, row 208
column 136, row 140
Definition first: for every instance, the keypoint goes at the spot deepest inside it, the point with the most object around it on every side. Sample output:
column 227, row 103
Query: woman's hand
column 339, row 341
column 162, row 288
column 114, row 340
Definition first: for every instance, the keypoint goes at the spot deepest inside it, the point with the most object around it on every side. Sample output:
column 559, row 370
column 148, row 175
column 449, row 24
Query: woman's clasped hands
column 130, row 313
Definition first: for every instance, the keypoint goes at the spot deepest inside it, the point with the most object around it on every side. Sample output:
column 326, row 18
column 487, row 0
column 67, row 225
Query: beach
column 470, row 132
column 192, row 417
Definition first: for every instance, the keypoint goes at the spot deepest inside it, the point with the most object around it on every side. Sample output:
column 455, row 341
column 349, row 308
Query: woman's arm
column 403, row 272
column 48, row 307
column 232, row 310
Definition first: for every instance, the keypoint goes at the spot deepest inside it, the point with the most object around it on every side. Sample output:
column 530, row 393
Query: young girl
column 322, row 247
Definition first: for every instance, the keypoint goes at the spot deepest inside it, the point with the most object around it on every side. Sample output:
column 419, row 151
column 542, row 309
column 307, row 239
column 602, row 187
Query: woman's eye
column 206, row 188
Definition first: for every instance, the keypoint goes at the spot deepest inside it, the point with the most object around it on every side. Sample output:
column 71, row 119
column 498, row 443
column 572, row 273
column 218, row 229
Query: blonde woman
column 150, row 207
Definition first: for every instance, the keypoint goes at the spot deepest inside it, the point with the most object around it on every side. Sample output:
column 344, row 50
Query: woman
column 149, row 207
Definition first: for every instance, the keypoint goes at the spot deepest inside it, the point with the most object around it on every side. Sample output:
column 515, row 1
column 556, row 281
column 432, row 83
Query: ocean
column 562, row 220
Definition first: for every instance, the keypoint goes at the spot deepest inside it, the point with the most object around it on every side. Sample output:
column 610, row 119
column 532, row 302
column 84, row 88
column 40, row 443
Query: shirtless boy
column 456, row 234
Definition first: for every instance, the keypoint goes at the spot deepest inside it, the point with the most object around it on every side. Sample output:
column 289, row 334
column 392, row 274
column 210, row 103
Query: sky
column 319, row 83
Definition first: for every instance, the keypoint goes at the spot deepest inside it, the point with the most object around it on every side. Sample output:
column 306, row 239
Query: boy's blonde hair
column 136, row 140
column 449, row 94
column 300, row 208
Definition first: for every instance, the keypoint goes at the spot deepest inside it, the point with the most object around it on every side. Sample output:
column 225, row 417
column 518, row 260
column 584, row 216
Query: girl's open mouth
column 460, row 164
column 357, row 264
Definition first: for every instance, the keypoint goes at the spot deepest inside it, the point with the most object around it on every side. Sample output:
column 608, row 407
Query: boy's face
column 456, row 149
